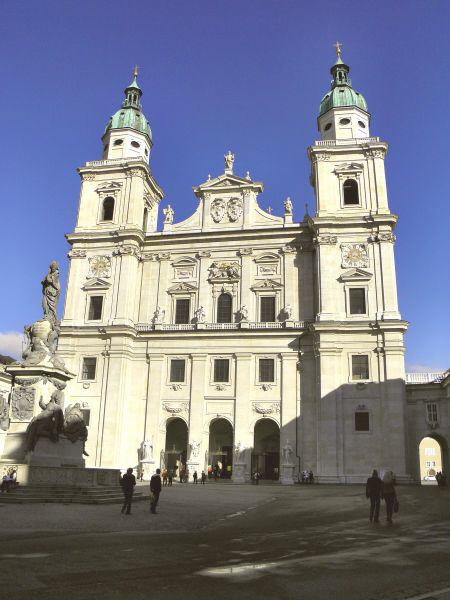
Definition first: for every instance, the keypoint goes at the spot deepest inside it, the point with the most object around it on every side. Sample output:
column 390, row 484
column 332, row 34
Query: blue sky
column 245, row 75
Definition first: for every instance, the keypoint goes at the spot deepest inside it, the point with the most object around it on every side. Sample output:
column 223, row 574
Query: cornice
column 363, row 325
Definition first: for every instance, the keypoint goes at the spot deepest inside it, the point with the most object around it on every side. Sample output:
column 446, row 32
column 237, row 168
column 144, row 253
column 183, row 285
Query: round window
column 344, row 121
column 118, row 142
column 327, row 127
column 135, row 144
column 361, row 124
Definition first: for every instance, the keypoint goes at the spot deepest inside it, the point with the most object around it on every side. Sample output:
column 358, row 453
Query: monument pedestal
column 287, row 474
column 148, row 469
column 62, row 453
column 239, row 472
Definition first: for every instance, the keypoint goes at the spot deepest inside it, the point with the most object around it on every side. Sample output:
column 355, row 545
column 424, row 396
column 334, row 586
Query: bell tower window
column 351, row 193
column 108, row 209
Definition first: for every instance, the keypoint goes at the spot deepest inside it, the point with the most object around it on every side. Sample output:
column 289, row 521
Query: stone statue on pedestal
column 74, row 425
column 51, row 290
column 287, row 454
column 49, row 423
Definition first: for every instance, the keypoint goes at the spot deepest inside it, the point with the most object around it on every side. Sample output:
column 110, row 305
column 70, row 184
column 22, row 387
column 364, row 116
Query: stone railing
column 115, row 161
column 150, row 327
column 346, row 142
column 424, row 377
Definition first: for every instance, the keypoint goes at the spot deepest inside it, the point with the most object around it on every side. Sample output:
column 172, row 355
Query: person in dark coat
column 373, row 491
column 203, row 477
column 155, row 490
column 388, row 494
column 195, row 477
column 128, row 482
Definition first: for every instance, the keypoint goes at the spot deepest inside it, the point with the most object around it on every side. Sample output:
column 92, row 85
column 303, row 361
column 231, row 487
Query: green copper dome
column 131, row 115
column 342, row 93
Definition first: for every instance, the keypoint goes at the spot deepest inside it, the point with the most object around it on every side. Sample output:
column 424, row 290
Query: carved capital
column 328, row 240
column 125, row 250
column 203, row 254
column 164, row 256
column 76, row 253
column 245, row 251
column 87, row 176
column 376, row 153
column 288, row 249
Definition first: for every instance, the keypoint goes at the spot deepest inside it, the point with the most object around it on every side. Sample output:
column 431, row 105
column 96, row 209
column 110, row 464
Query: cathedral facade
column 239, row 340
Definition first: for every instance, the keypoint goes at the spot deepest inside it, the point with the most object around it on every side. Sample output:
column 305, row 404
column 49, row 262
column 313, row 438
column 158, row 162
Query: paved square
column 228, row 541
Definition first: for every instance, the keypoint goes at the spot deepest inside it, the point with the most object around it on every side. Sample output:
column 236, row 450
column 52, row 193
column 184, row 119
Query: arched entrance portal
column 176, row 444
column 220, row 452
column 266, row 449
column 432, row 458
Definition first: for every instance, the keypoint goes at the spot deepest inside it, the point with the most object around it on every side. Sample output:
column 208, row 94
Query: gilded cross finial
column 338, row 47
column 135, row 71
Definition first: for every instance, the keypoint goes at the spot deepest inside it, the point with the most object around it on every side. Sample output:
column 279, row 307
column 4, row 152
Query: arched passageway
column 433, row 458
column 266, row 449
column 220, row 450
column 176, row 444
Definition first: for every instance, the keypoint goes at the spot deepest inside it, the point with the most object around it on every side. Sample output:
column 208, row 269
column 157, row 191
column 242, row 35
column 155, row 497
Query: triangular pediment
column 267, row 284
column 356, row 275
column 181, row 288
column 228, row 181
column 109, row 186
column 95, row 283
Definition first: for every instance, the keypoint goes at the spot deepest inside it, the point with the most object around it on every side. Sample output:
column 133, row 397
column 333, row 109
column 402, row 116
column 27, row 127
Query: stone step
column 35, row 494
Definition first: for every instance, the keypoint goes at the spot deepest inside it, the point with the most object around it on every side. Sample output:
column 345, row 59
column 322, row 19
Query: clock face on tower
column 354, row 255
column 99, row 266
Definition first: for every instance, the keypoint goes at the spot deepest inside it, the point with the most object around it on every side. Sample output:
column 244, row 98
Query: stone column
column 153, row 425
column 127, row 256
column 242, row 433
column 288, row 417
column 290, row 280
column 246, row 278
column 196, row 452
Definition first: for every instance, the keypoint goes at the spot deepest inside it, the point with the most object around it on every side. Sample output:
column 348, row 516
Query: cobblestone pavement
column 229, row 541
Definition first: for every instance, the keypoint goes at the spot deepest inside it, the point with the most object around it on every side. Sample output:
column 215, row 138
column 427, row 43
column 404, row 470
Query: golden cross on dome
column 338, row 47
column 135, row 71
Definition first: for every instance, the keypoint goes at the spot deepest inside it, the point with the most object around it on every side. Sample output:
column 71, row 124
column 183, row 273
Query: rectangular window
column 362, row 421
column 266, row 370
column 267, row 309
column 95, row 308
column 221, row 370
column 432, row 415
column 360, row 366
column 429, row 452
column 182, row 310
column 177, row 370
column 89, row 368
column 357, row 299
column 428, row 463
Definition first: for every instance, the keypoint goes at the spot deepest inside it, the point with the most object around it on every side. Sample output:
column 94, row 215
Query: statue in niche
column 49, row 423
column 287, row 310
column 200, row 314
column 51, row 290
column 288, row 206
column 168, row 215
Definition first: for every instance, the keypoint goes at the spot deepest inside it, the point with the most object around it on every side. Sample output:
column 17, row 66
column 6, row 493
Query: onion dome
column 342, row 93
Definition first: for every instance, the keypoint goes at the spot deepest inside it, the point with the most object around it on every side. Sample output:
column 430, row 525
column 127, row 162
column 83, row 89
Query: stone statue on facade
column 51, row 290
column 243, row 313
column 229, row 160
column 159, row 315
column 288, row 206
column 239, row 452
column 200, row 314
column 146, row 453
column 195, row 448
column 74, row 425
column 168, row 215
column 287, row 454
column 287, row 310
column 49, row 423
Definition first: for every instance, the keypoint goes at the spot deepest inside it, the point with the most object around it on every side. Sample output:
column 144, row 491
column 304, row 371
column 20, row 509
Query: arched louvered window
column 108, row 209
column 351, row 194
column 224, row 307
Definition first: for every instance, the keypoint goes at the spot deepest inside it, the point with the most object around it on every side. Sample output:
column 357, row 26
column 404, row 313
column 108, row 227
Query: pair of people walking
column 377, row 490
column 128, row 483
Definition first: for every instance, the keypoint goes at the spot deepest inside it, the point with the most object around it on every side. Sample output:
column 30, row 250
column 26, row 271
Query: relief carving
column 354, row 255
column 22, row 403
column 99, row 266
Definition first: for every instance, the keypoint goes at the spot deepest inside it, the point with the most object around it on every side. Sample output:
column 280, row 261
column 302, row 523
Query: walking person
column 155, row 490
column 388, row 494
column 170, row 477
column 195, row 477
column 373, row 491
column 203, row 477
column 128, row 482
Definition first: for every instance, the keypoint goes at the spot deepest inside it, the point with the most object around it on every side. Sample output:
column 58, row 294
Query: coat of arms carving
column 217, row 210
column 22, row 403
column 99, row 266
column 234, row 209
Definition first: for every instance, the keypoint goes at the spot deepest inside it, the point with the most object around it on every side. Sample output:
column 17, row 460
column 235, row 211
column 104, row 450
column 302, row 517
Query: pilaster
column 243, row 433
column 196, row 449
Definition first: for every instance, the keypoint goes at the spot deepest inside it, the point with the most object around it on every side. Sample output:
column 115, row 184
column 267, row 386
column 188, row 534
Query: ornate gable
column 95, row 283
column 356, row 275
column 267, row 284
column 182, row 288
